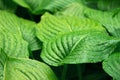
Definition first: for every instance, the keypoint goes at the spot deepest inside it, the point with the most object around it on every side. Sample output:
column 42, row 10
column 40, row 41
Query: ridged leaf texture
column 50, row 26
column 110, row 21
column 39, row 6
column 23, row 69
column 11, row 40
column 86, row 46
column 28, row 33
column 74, row 9
column 112, row 66
column 17, row 35
column 71, row 40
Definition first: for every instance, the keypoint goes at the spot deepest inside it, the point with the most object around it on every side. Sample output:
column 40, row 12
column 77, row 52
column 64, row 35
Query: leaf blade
column 41, row 5
column 11, row 38
column 50, row 26
column 23, row 69
column 111, row 65
column 78, row 47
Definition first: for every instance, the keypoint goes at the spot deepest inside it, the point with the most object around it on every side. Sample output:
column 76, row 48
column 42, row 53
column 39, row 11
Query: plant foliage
column 59, row 39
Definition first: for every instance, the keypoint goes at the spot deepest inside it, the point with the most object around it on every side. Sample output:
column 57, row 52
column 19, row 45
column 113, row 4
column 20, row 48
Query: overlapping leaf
column 10, row 36
column 108, row 4
column 110, row 20
column 23, row 69
column 15, row 32
column 70, row 40
column 38, row 6
column 86, row 46
column 28, row 33
column 2, row 62
column 112, row 65
column 50, row 26
column 75, row 9
column 8, row 5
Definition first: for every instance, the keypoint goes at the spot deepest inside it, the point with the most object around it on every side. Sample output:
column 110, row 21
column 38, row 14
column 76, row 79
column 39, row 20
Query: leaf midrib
column 74, row 46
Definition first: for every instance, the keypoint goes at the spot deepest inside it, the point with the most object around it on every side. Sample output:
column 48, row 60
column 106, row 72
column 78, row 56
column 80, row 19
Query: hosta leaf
column 13, row 44
column 108, row 4
column 86, row 46
column 2, row 62
column 8, row 5
column 50, row 26
column 75, row 9
column 23, row 69
column 38, row 6
column 90, row 3
column 9, row 22
column 110, row 21
column 10, row 36
column 28, row 32
column 17, row 27
column 112, row 65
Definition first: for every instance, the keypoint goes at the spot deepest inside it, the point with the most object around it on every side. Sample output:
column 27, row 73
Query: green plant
column 59, row 39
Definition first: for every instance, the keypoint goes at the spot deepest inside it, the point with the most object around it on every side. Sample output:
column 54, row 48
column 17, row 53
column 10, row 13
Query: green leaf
column 74, row 9
column 110, row 20
column 11, row 40
column 50, row 26
column 28, row 32
column 112, row 65
column 23, row 69
column 90, row 3
column 8, row 5
column 2, row 62
column 15, row 32
column 38, row 6
column 86, row 46
column 108, row 4
column 9, row 22
column 73, row 40
column 13, row 45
